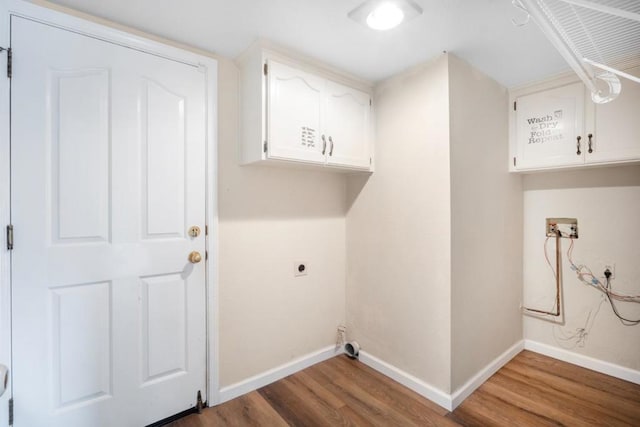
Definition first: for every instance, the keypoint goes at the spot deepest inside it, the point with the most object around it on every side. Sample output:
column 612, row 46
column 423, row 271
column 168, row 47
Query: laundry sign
column 307, row 136
column 546, row 128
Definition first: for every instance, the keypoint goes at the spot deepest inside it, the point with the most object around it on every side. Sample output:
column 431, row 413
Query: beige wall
column 606, row 202
column 398, row 230
column 434, row 236
column 486, row 225
column 270, row 218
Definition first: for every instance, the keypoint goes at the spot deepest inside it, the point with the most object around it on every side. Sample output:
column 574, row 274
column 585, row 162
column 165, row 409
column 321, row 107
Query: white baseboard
column 597, row 365
column 470, row 386
column 447, row 401
column 275, row 374
column 422, row 388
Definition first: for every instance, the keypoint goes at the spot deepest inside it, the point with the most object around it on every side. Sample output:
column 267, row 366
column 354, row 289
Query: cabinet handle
column 590, row 142
column 331, row 149
column 579, row 152
column 324, row 145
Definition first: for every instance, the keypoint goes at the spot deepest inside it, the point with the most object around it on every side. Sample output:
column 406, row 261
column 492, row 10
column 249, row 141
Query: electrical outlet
column 568, row 227
column 608, row 266
column 300, row 268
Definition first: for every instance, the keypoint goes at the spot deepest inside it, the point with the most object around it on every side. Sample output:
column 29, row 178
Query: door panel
column 294, row 114
column 108, row 173
column 81, row 340
column 163, row 121
column 348, row 126
column 164, row 322
column 548, row 125
column 80, row 135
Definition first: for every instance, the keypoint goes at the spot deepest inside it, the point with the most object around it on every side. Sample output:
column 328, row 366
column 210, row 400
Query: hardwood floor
column 531, row 390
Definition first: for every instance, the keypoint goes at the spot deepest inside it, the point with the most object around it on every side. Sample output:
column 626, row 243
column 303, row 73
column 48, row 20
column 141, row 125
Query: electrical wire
column 583, row 272
column 579, row 337
column 623, row 320
column 585, row 275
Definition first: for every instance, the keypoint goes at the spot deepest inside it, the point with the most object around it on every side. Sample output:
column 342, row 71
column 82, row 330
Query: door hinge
column 9, row 61
column 370, row 102
column 206, row 255
column 265, row 69
column 514, row 105
column 514, row 161
column 9, row 237
column 206, row 230
column 264, row 147
column 370, row 161
column 11, row 411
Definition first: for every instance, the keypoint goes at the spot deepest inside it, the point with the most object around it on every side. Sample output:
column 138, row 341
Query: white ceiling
column 479, row 31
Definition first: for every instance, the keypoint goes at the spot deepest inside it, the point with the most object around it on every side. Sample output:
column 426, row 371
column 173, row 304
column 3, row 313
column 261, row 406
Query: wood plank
column 593, row 379
column 411, row 396
column 375, row 407
column 290, row 407
column 248, row 410
column 412, row 405
column 485, row 409
column 316, row 390
column 321, row 404
column 574, row 394
column 355, row 419
column 527, row 398
column 531, row 390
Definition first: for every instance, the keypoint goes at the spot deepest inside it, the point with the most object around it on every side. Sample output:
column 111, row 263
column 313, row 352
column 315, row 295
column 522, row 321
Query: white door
column 108, row 174
column 348, row 126
column 294, row 114
column 550, row 128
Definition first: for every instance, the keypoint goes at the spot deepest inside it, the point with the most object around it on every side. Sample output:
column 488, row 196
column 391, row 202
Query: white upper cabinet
column 293, row 113
column 556, row 125
column 347, row 126
column 616, row 134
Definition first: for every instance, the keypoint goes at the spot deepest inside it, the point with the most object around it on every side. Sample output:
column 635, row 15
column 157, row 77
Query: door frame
column 87, row 25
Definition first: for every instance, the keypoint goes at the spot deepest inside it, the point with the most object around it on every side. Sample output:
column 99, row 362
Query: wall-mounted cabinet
column 295, row 113
column 617, row 125
column 556, row 125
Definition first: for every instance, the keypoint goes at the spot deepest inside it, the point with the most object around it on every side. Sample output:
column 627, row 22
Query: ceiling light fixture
column 385, row 17
column 385, row 14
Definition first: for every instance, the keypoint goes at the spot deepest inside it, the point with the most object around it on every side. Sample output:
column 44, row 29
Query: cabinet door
column 294, row 114
column 616, row 135
column 347, row 126
column 548, row 126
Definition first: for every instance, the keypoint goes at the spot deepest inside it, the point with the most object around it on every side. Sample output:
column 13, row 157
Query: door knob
column 195, row 257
